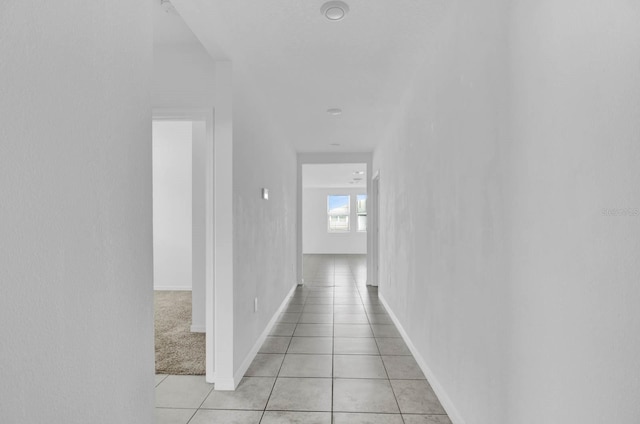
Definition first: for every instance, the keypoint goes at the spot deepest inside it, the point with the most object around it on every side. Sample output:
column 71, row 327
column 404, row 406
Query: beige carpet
column 178, row 350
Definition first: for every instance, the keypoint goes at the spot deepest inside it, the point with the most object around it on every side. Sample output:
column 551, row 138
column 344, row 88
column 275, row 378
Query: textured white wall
column 316, row 238
column 172, row 205
column 264, row 244
column 183, row 77
column 76, row 288
column 442, row 220
column 575, row 213
column 518, row 293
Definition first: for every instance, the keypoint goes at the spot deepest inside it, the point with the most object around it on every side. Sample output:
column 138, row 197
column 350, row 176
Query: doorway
column 336, row 216
column 183, row 217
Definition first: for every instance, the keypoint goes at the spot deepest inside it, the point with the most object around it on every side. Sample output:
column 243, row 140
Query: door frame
column 206, row 115
column 374, row 215
column 328, row 158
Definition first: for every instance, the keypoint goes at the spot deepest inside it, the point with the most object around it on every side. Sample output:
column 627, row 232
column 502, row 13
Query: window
column 361, row 210
column 338, row 213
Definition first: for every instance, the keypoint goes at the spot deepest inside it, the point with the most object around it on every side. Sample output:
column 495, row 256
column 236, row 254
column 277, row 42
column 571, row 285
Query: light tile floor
column 334, row 357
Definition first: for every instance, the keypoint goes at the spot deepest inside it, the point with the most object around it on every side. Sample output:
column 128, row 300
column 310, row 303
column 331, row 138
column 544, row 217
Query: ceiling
column 295, row 64
column 335, row 175
column 169, row 27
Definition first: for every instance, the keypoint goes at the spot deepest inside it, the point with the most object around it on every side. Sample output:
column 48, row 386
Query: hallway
column 333, row 357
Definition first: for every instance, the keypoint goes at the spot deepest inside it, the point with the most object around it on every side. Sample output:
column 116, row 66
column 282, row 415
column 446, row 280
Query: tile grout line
column 192, row 415
column 335, row 294
column 201, row 403
column 264, row 411
column 381, row 359
column 333, row 338
column 388, row 378
column 346, row 290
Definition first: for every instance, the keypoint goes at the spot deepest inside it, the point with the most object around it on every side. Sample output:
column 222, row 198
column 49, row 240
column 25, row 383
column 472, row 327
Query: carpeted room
column 177, row 252
column 179, row 351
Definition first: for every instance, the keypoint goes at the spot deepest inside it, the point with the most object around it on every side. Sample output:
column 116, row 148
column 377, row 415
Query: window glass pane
column 362, row 223
column 338, row 222
column 338, row 205
column 362, row 204
column 362, row 212
column 338, row 211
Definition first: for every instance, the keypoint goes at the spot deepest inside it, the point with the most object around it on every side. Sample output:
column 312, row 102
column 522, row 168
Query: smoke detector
column 334, row 10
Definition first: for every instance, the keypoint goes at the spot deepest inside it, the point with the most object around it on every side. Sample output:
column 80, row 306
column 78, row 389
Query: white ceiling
column 335, row 175
column 170, row 28
column 296, row 64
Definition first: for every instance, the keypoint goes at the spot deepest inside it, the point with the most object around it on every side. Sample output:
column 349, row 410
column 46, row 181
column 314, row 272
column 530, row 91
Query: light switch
column 265, row 193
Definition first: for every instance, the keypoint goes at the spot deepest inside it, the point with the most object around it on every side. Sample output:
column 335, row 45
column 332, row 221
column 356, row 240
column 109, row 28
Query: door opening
column 333, row 207
column 183, row 231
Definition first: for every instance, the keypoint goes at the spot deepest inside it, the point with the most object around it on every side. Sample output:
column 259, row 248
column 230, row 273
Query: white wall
column 172, row 208
column 575, row 286
column 264, row 244
column 76, row 302
column 315, row 237
column 443, row 257
column 518, row 294
column 183, row 77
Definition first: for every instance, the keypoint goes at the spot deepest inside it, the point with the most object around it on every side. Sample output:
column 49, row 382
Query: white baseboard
column 445, row 400
column 224, row 383
column 258, row 344
column 172, row 288
column 198, row 329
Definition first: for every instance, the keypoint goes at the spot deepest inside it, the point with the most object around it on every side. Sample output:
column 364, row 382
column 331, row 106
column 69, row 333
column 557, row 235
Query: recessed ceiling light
column 358, row 173
column 334, row 10
column 334, row 111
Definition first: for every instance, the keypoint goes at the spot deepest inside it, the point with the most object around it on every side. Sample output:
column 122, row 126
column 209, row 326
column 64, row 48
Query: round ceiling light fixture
column 334, row 10
column 334, row 111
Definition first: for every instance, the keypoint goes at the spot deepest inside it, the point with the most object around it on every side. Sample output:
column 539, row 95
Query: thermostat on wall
column 265, row 193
